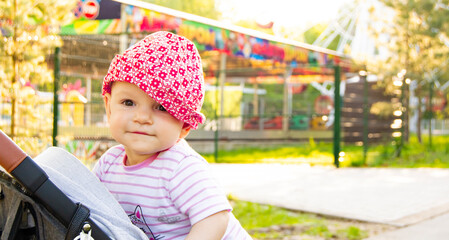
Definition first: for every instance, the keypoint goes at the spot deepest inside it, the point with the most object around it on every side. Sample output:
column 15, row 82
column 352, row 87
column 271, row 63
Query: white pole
column 89, row 100
column 123, row 34
column 286, row 111
column 222, row 79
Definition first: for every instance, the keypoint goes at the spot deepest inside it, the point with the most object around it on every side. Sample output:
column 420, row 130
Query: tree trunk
column 15, row 75
column 406, row 92
column 418, row 123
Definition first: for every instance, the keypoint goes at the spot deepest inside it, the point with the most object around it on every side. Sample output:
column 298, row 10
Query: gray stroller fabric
column 81, row 185
column 36, row 222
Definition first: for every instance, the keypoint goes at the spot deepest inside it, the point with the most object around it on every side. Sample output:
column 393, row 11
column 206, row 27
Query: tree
column 29, row 34
column 415, row 39
column 314, row 32
column 204, row 8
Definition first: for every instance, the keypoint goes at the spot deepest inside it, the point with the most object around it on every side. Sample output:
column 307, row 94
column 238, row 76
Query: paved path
column 433, row 229
column 399, row 197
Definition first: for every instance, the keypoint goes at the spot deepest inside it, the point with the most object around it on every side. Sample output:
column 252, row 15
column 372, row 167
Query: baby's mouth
column 140, row 133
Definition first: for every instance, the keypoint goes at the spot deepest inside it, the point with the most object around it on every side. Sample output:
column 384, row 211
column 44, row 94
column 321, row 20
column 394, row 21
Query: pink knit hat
column 168, row 68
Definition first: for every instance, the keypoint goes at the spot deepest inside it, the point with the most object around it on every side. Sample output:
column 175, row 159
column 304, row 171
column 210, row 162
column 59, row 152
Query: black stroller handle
column 36, row 181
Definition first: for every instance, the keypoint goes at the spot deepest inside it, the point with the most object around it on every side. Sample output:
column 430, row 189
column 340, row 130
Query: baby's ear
column 107, row 102
column 184, row 131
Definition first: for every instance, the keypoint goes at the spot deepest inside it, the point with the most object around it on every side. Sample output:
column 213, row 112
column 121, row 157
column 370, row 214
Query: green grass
column 413, row 154
column 256, row 218
column 352, row 233
column 253, row 215
column 311, row 152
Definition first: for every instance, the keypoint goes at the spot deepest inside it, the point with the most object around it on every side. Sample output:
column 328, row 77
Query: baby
column 153, row 95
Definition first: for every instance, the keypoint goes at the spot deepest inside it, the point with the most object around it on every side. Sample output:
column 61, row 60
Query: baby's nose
column 144, row 116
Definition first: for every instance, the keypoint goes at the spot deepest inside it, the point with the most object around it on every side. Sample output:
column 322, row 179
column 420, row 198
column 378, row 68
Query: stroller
column 33, row 206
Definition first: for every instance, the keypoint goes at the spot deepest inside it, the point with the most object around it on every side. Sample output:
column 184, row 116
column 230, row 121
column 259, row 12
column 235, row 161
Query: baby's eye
column 161, row 108
column 128, row 102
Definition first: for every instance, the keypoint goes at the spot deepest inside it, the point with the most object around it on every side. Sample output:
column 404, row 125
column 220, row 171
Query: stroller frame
column 21, row 217
column 29, row 200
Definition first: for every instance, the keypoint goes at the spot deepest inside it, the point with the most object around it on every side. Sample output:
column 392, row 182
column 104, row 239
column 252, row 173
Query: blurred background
column 339, row 83
column 360, row 78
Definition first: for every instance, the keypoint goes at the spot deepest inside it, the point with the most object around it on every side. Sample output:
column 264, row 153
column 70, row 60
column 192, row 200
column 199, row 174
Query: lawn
column 413, row 154
column 269, row 222
column 265, row 222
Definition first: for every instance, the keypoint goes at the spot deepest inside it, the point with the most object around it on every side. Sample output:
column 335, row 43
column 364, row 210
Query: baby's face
column 139, row 123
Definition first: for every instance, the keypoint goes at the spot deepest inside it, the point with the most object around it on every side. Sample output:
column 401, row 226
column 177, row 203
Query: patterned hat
column 168, row 68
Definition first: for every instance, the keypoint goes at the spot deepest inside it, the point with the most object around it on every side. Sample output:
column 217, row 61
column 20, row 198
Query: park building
column 260, row 89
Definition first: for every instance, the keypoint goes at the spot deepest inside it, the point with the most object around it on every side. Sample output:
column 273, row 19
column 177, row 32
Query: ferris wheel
column 351, row 28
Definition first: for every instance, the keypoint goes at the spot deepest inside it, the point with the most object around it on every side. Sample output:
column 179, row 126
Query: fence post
column 337, row 114
column 217, row 102
column 220, row 88
column 363, row 76
column 430, row 111
column 56, row 74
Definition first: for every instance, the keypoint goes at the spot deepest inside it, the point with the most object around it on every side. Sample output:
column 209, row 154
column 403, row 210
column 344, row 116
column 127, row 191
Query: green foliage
column 252, row 24
column 320, row 153
column 314, row 32
column 382, row 109
column 414, row 154
column 254, row 216
column 352, row 233
column 303, row 102
column 319, row 229
column 204, row 8
column 231, row 103
column 29, row 34
column 273, row 99
column 418, row 41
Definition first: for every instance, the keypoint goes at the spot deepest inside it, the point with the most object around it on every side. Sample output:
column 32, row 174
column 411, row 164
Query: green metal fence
column 252, row 114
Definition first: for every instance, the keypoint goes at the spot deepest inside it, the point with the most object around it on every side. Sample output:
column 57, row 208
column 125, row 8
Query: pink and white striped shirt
column 168, row 193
